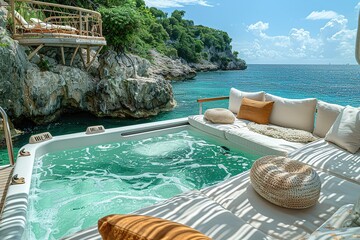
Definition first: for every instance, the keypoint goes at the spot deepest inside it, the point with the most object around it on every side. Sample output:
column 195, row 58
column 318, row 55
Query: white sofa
column 289, row 113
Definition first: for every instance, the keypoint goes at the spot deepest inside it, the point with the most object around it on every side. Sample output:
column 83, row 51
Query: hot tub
column 73, row 180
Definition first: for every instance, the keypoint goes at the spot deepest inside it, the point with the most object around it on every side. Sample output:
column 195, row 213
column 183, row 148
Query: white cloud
column 259, row 26
column 333, row 40
column 333, row 26
column 315, row 15
column 357, row 6
column 175, row 3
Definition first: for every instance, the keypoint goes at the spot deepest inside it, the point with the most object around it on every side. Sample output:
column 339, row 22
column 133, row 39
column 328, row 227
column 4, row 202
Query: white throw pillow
column 219, row 115
column 325, row 117
column 345, row 132
column 292, row 113
column 236, row 96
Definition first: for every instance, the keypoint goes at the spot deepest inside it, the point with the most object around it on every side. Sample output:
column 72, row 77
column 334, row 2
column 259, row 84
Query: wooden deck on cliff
column 40, row 24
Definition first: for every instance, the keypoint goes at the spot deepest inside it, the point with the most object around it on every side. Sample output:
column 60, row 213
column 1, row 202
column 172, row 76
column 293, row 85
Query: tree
column 120, row 25
column 178, row 15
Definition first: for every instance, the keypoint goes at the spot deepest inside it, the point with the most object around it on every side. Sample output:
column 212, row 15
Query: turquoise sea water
column 72, row 189
column 333, row 83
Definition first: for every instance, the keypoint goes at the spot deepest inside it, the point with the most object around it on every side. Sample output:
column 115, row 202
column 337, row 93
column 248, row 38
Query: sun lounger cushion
column 292, row 113
column 138, row 227
column 52, row 26
column 219, row 115
column 215, row 129
column 198, row 211
column 237, row 95
column 285, row 182
column 263, row 144
column 328, row 157
column 325, row 117
column 237, row 196
column 256, row 111
column 345, row 132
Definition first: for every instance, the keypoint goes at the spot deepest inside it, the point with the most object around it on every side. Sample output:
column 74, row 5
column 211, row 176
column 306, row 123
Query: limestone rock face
column 134, row 97
column 170, row 69
column 13, row 67
column 122, row 66
column 204, row 66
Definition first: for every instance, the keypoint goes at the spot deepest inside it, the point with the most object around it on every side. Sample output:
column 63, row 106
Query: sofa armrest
column 200, row 101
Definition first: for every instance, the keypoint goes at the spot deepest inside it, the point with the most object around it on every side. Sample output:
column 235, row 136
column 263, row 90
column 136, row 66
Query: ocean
column 332, row 83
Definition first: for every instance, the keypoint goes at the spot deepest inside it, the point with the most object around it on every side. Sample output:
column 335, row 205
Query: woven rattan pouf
column 285, row 182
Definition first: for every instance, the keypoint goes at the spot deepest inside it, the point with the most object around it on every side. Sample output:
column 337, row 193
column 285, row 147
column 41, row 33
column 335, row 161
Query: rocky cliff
column 169, row 68
column 41, row 90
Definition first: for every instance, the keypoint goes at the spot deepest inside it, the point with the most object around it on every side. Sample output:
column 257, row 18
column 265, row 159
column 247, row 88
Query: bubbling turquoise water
column 72, row 189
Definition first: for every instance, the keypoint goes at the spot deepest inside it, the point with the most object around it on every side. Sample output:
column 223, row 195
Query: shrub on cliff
column 120, row 25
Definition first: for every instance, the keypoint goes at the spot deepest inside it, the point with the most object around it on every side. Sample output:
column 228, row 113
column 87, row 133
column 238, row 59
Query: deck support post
column 97, row 52
column 82, row 58
column 32, row 54
column 62, row 55
column 74, row 54
column 88, row 55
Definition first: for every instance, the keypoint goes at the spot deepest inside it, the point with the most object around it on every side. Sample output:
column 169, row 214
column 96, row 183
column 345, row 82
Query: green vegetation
column 131, row 26
column 43, row 64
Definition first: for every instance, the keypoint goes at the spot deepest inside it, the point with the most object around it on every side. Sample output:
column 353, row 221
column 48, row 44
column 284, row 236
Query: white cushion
column 196, row 210
column 330, row 158
column 236, row 96
column 237, row 196
column 345, row 132
column 292, row 113
column 325, row 117
column 260, row 143
column 215, row 129
column 219, row 115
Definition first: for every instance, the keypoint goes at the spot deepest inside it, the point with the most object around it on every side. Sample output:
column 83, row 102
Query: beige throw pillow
column 236, row 96
column 345, row 132
column 292, row 113
column 325, row 117
column 219, row 115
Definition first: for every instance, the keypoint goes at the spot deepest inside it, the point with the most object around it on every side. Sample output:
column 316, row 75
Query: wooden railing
column 32, row 18
column 202, row 100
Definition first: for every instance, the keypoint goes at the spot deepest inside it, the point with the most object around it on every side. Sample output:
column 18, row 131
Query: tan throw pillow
column 138, row 227
column 219, row 115
column 345, row 132
column 256, row 111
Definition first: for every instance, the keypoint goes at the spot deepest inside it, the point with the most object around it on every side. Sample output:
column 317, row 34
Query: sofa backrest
column 236, row 96
column 293, row 113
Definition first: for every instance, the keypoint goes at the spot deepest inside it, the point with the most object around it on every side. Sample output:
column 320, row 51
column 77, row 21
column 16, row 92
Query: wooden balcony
column 41, row 24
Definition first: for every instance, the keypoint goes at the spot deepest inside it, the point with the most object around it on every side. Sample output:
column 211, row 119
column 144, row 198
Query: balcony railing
column 35, row 18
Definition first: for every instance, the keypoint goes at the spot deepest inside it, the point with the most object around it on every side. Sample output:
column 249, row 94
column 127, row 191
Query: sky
column 279, row 31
